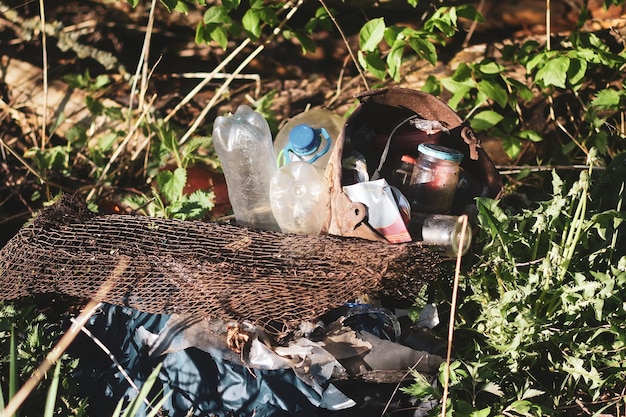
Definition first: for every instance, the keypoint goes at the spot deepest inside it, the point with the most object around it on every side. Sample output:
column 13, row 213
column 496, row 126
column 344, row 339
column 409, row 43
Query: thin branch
column 117, row 364
column 141, row 64
column 218, row 94
column 207, row 79
column 472, row 28
column 548, row 25
column 455, row 291
column 57, row 351
column 44, row 47
column 345, row 41
column 516, row 169
column 410, row 370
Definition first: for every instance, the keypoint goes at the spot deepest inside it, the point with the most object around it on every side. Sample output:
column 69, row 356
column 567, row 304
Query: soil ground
column 325, row 78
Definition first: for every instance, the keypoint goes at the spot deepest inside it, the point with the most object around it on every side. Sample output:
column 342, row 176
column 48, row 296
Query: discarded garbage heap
column 281, row 315
column 249, row 297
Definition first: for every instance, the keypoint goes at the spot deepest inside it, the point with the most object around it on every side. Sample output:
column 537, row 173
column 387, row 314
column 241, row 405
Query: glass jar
column 434, row 179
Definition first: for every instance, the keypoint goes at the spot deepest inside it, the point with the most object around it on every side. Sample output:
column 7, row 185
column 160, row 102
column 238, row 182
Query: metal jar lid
column 440, row 152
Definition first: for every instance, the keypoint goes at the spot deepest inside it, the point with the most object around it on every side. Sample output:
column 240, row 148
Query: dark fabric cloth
column 195, row 380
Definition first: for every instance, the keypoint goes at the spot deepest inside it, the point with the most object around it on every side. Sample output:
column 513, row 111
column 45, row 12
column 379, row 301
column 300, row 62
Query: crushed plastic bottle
column 299, row 198
column 243, row 143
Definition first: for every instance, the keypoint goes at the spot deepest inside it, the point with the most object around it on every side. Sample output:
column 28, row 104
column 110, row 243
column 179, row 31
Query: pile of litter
column 249, row 298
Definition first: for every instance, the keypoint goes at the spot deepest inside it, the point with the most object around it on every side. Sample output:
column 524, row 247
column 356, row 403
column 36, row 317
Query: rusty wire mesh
column 200, row 269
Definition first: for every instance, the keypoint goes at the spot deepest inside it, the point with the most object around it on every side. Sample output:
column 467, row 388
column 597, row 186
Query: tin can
column 434, row 179
column 443, row 231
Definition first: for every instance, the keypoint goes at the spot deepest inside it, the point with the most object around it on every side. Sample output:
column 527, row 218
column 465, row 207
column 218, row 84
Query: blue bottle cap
column 440, row 152
column 304, row 140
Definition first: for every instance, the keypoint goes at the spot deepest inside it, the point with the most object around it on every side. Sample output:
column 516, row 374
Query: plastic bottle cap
column 304, row 140
column 440, row 152
column 408, row 159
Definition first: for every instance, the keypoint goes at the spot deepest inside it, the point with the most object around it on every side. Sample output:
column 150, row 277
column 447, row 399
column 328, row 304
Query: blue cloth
column 195, row 380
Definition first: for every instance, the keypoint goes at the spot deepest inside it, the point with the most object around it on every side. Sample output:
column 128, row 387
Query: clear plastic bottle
column 434, row 179
column 299, row 197
column 243, row 143
column 310, row 137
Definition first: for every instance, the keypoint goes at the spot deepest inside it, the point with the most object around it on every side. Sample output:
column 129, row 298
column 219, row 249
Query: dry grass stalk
column 62, row 345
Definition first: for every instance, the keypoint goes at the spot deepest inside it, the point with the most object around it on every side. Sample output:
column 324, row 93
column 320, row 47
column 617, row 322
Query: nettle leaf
column 512, row 146
column 170, row 4
column 420, row 388
column 432, row 86
column 371, row 34
column 535, row 61
column 374, row 64
column 251, row 22
column 490, row 68
column 576, row 71
column 220, row 35
column 307, row 44
column 531, row 135
column 494, row 91
column 485, row 120
column 394, row 34
column 493, row 388
column 469, row 12
column 172, row 183
column 394, row 60
column 231, row 4
column 554, row 72
column 215, row 14
column 182, row 7
column 607, row 99
column 459, row 89
column 485, row 412
column 201, row 35
column 424, row 49
column 523, row 92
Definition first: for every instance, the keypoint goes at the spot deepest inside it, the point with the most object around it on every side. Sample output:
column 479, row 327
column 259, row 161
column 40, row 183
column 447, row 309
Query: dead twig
column 142, row 67
column 218, row 94
column 410, row 370
column 117, row 364
column 455, row 291
column 210, row 76
column 345, row 41
column 44, row 47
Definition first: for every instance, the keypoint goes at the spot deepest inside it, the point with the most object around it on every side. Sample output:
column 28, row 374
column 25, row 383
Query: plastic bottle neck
column 305, row 144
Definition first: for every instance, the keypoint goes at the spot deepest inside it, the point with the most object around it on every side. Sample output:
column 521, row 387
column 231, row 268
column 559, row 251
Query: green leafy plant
column 375, row 37
column 569, row 76
column 26, row 335
column 542, row 319
column 168, row 198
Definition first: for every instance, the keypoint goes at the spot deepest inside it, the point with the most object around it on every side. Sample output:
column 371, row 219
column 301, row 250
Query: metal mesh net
column 199, row 269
